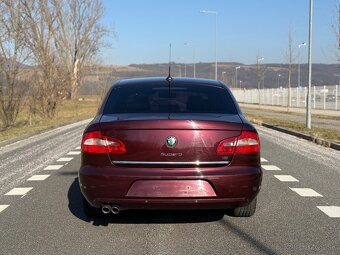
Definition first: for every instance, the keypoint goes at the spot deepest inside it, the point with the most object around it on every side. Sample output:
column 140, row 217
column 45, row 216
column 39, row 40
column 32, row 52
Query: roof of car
column 174, row 81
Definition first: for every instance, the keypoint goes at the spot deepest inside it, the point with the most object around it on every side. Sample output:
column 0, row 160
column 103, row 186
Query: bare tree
column 81, row 36
column 13, row 55
column 40, row 18
column 290, row 56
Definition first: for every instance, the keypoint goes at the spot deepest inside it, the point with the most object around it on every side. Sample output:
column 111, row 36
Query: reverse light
column 247, row 142
column 227, row 146
column 95, row 142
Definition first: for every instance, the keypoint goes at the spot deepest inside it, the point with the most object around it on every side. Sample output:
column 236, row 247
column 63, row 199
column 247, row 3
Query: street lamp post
column 299, row 76
column 194, row 60
column 236, row 68
column 278, row 79
column 258, row 63
column 215, row 13
column 179, row 70
column 309, row 101
column 223, row 73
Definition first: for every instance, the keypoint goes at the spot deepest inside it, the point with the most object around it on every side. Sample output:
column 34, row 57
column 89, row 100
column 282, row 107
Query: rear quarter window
column 178, row 99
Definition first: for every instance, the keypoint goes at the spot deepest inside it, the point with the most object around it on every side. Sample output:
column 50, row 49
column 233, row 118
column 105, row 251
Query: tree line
column 58, row 38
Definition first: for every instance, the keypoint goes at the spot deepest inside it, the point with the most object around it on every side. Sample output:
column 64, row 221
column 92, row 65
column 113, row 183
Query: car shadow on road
column 261, row 247
column 162, row 217
column 139, row 216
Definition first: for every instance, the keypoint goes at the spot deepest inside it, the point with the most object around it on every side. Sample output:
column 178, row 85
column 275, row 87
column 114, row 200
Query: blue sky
column 245, row 28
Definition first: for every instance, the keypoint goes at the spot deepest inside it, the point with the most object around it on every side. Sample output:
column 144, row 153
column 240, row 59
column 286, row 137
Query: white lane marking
column 65, row 159
column 331, row 211
column 77, row 148
column 18, row 191
column 286, row 178
column 38, row 177
column 306, row 192
column 3, row 207
column 73, row 153
column 271, row 168
column 53, row 167
column 264, row 160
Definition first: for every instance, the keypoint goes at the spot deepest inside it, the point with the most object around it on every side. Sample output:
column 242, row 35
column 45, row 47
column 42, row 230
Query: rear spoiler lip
column 235, row 118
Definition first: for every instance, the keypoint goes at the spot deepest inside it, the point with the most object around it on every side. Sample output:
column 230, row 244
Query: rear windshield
column 179, row 99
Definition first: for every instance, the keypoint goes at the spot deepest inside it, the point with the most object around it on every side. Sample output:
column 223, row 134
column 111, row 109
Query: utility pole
column 309, row 106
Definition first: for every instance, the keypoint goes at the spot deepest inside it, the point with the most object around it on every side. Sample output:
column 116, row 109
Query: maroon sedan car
column 174, row 143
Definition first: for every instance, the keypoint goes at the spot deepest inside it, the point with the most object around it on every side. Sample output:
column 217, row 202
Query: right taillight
column 95, row 142
column 248, row 142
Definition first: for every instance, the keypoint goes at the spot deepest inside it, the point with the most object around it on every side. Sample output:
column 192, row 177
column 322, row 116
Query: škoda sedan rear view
column 170, row 144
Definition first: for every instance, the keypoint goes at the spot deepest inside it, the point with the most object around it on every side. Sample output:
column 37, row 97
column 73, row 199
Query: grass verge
column 73, row 110
column 69, row 111
column 323, row 133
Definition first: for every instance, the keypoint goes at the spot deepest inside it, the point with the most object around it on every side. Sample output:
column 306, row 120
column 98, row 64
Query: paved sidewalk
column 295, row 114
column 291, row 110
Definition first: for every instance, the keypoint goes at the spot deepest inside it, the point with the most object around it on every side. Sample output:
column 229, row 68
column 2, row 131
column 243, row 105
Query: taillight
column 95, row 142
column 227, row 146
column 247, row 142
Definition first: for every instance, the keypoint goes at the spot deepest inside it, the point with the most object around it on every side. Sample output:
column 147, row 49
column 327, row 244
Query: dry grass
column 68, row 112
column 72, row 111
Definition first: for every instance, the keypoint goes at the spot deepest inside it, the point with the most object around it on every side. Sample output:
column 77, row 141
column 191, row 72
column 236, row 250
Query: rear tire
column 245, row 211
column 90, row 211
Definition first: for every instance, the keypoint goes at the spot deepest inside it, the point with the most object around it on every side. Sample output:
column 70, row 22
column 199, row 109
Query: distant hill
column 323, row 74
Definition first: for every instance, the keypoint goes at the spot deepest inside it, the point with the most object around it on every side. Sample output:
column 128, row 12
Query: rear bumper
column 232, row 186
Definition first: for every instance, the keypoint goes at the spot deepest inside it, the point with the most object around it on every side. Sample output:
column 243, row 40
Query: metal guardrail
column 322, row 97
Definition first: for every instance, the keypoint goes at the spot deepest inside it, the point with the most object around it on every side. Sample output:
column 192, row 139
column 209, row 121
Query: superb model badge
column 171, row 141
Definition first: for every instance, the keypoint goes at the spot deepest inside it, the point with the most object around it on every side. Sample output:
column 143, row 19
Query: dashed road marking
column 73, row 153
column 3, row 207
column 39, row 177
column 306, row 192
column 18, row 191
column 331, row 211
column 264, row 160
column 77, row 148
column 286, row 178
column 65, row 159
column 53, row 167
column 271, row 168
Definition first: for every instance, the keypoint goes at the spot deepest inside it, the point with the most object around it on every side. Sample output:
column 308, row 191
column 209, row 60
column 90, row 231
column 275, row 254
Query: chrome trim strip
column 195, row 163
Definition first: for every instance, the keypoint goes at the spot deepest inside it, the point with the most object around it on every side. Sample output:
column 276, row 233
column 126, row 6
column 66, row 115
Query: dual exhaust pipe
column 106, row 209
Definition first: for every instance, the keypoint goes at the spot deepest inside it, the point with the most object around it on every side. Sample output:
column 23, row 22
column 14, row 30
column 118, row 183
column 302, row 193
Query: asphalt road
column 48, row 218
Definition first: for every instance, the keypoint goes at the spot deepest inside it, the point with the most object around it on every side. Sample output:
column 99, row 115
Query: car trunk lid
column 170, row 139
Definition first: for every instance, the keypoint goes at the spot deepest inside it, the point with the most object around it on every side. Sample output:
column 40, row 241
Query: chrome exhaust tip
column 106, row 209
column 115, row 209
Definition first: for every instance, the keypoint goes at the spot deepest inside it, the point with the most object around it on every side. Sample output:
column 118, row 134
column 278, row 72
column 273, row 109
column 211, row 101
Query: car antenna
column 169, row 78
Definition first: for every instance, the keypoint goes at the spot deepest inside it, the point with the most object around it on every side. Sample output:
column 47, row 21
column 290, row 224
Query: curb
column 37, row 132
column 310, row 138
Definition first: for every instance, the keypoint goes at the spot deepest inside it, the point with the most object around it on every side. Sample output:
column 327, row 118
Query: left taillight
column 95, row 142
